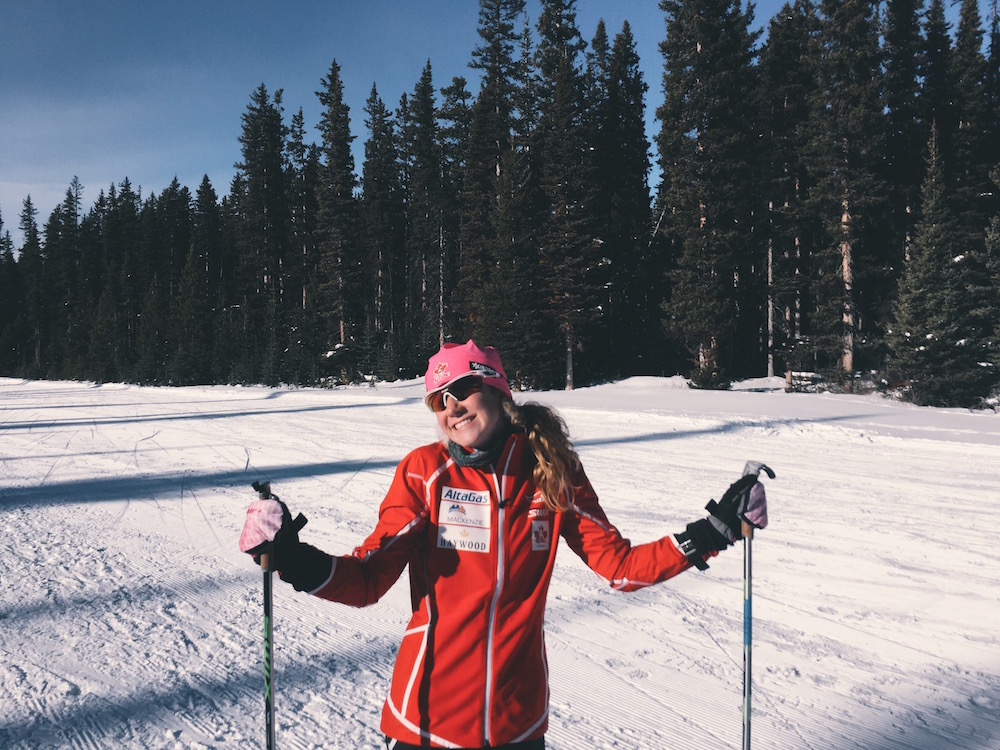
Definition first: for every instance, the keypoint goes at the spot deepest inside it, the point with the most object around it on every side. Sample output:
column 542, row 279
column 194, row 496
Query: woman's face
column 474, row 421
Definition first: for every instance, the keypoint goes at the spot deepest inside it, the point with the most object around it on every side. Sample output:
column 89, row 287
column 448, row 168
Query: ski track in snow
column 131, row 619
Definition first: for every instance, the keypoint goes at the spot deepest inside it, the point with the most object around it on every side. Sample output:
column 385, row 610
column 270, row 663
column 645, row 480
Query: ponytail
column 555, row 458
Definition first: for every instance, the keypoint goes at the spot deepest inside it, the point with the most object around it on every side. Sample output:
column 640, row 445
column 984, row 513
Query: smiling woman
column 464, row 385
column 476, row 517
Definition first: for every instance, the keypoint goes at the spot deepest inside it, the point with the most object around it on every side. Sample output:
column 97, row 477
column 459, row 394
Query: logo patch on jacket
column 540, row 538
column 464, row 520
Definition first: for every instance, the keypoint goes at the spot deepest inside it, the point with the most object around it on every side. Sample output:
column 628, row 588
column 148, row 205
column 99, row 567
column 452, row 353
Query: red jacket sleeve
column 601, row 546
column 361, row 578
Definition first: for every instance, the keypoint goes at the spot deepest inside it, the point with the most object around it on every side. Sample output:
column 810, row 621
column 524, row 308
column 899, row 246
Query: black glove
column 727, row 515
column 297, row 563
column 721, row 528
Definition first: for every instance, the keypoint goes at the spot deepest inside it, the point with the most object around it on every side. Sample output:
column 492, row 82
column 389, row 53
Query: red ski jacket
column 471, row 669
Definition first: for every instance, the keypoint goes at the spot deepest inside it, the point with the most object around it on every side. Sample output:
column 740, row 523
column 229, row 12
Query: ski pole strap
column 691, row 552
column 699, row 539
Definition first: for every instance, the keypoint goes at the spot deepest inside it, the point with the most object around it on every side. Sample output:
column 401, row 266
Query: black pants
column 538, row 744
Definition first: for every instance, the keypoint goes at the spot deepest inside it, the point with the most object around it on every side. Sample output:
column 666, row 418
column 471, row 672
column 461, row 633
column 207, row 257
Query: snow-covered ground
column 129, row 618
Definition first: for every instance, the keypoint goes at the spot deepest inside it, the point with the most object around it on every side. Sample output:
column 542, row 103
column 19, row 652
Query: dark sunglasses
column 460, row 390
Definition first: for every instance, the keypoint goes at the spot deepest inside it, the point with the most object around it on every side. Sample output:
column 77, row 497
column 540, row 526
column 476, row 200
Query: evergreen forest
column 827, row 210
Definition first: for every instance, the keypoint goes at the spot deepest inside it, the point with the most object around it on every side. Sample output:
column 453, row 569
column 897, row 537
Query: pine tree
column 265, row 237
column 491, row 122
column 124, row 288
column 853, row 275
column 91, row 271
column 207, row 237
column 151, row 341
column 935, row 72
column 487, row 143
column 427, row 252
column 635, row 303
column 526, row 89
column 382, row 221
column 904, row 129
column 992, row 261
column 495, row 56
column 454, row 124
column 101, row 343
column 573, row 269
column 992, row 156
column 508, row 302
column 455, row 118
column 303, row 169
column 623, row 208
column 938, row 344
column 37, row 305
column 172, row 227
column 12, row 305
column 190, row 323
column 968, row 168
column 155, row 278
column 303, row 172
column 708, row 154
column 62, row 272
column 340, row 268
column 788, row 82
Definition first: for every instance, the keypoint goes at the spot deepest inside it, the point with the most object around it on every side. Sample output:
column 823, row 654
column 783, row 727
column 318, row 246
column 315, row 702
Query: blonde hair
column 555, row 458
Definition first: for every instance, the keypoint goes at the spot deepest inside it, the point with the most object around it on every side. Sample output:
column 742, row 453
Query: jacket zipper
column 498, row 481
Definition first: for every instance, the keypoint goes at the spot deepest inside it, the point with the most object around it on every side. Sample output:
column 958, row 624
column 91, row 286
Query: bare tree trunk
column 440, row 285
column 569, row 357
column 847, row 269
column 770, row 303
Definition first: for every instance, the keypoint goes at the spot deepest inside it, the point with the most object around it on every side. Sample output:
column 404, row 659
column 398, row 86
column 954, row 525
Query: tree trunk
column 569, row 357
column 770, row 305
column 847, row 269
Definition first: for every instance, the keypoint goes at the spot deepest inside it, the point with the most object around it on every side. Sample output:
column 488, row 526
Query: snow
column 130, row 618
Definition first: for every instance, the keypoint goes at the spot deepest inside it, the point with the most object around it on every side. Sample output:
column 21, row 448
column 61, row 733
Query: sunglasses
column 460, row 390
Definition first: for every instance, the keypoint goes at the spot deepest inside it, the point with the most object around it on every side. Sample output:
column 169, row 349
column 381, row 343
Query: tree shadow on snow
column 167, row 486
column 188, row 416
column 191, row 706
column 719, row 429
column 192, row 695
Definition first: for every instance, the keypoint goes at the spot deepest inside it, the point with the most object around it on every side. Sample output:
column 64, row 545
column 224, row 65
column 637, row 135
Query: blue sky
column 109, row 89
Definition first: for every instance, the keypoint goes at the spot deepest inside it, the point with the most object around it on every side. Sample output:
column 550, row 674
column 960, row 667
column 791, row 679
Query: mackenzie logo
column 457, row 508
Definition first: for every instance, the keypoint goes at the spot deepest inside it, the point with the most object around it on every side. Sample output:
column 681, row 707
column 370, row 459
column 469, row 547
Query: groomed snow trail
column 131, row 619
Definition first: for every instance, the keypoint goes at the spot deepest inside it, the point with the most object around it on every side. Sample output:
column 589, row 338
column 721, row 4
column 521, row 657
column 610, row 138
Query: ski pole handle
column 265, row 561
column 747, row 533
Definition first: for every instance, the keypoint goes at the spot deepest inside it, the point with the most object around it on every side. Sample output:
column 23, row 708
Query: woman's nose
column 452, row 405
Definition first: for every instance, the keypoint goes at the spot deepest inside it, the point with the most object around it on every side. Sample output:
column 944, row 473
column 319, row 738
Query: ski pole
column 264, row 491
column 752, row 467
column 747, row 627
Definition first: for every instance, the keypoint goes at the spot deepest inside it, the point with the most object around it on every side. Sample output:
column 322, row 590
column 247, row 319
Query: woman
column 477, row 517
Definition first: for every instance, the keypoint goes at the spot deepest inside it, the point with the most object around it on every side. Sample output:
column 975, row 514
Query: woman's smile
column 472, row 422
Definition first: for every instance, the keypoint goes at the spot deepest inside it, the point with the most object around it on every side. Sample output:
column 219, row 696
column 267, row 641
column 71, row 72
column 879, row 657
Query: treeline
column 825, row 206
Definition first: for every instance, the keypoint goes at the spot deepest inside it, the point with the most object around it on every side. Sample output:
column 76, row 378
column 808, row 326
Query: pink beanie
column 453, row 361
